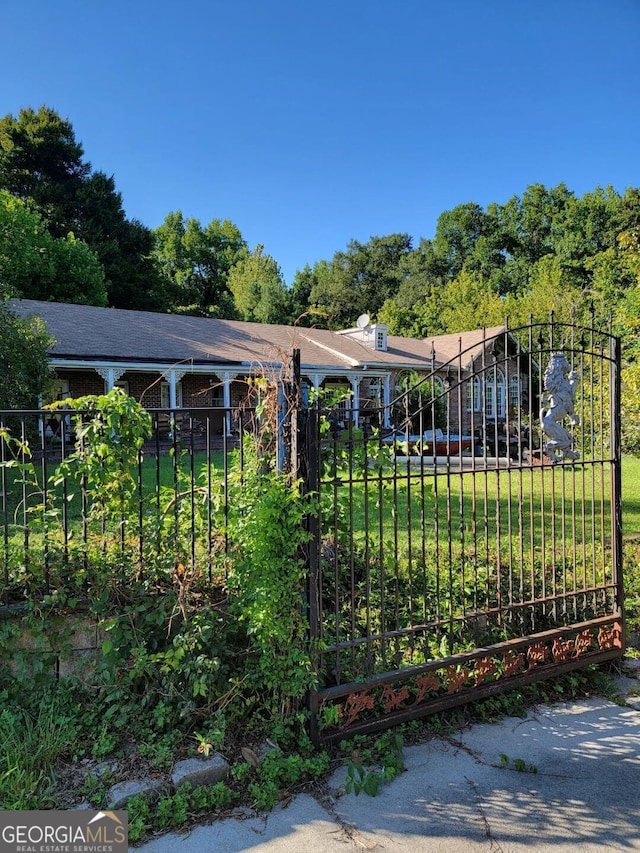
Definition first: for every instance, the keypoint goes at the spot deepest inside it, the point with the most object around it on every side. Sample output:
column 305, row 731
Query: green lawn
column 516, row 507
column 631, row 496
column 560, row 506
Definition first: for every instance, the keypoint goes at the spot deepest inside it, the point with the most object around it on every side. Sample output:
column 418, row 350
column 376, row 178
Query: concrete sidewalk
column 580, row 791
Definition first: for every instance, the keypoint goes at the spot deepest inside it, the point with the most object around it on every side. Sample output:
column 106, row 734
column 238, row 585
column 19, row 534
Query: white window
column 514, row 392
column 340, row 400
column 376, row 391
column 122, row 383
column 495, row 394
column 165, row 396
column 217, row 393
column 474, row 395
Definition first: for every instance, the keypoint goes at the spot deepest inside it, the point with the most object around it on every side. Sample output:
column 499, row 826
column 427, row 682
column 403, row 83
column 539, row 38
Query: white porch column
column 316, row 381
column 355, row 392
column 174, row 376
column 110, row 375
column 386, row 401
column 227, row 377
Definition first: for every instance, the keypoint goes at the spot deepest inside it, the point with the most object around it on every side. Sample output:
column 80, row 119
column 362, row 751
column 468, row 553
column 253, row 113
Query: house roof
column 88, row 333
column 467, row 346
column 85, row 333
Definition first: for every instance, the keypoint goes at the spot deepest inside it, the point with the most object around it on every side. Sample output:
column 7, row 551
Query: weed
column 277, row 774
column 96, row 787
column 31, row 745
column 372, row 764
column 518, row 764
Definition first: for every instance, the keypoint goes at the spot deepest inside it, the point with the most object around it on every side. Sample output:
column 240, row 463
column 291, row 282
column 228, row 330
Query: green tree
column 41, row 160
column 552, row 289
column 42, row 163
column 361, row 279
column 35, row 265
column 123, row 246
column 258, row 289
column 627, row 325
column 195, row 262
column 302, row 312
column 24, row 362
column 457, row 232
column 470, row 302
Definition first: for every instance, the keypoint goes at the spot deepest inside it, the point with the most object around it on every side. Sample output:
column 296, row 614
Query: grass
column 31, row 747
column 630, row 496
column 558, row 507
column 547, row 516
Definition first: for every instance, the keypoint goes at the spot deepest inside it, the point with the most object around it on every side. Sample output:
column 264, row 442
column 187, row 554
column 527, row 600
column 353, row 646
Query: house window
column 165, row 396
column 381, row 339
column 375, row 391
column 124, row 384
column 474, row 395
column 217, row 394
column 514, row 393
column 494, row 394
column 340, row 402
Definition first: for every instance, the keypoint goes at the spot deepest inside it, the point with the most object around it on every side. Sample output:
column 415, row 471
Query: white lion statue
column 557, row 404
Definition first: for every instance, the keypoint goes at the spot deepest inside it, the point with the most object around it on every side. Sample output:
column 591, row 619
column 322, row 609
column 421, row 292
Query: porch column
column 174, row 376
column 386, row 402
column 110, row 375
column 227, row 377
column 355, row 392
column 316, row 381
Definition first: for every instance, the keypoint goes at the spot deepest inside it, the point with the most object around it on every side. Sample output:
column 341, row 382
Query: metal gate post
column 615, row 395
column 310, row 459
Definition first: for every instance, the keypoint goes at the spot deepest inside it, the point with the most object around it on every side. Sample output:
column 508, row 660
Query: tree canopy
column 258, row 289
column 24, row 361
column 194, row 261
column 36, row 265
column 42, row 164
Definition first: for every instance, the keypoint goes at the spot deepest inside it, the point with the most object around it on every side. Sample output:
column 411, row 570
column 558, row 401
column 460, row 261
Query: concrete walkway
column 579, row 791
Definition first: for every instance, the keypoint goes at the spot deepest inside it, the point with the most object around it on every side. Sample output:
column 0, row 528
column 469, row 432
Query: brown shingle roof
column 469, row 345
column 90, row 333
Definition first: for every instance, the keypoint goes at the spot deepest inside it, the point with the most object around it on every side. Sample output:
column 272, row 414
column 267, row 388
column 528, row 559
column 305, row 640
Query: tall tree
column 35, row 265
column 24, row 360
column 258, row 289
column 41, row 160
column 42, row 163
column 302, row 314
column 457, row 232
column 195, row 263
column 469, row 302
column 361, row 279
column 123, row 246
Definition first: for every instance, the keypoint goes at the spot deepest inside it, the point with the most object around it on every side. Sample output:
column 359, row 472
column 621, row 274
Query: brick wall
column 145, row 387
column 82, row 382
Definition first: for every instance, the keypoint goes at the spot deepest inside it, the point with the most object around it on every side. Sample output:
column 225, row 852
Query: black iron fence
column 466, row 538
column 67, row 504
column 476, row 545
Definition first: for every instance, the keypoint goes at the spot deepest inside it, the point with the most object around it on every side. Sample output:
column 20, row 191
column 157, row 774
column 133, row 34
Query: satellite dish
column 363, row 321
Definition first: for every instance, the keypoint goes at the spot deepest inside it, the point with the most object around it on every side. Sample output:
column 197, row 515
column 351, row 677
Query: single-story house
column 174, row 361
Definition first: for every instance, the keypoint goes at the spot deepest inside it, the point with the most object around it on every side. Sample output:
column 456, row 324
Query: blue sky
column 309, row 124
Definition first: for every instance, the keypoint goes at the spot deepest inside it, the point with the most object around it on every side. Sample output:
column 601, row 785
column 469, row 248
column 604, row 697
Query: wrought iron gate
column 475, row 544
